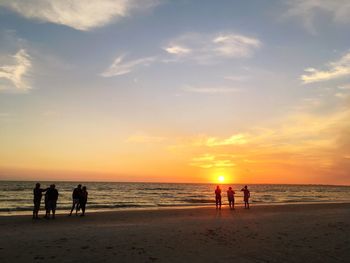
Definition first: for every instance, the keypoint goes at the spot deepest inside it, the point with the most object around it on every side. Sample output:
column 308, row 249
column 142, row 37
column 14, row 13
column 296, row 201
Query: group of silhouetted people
column 231, row 197
column 79, row 196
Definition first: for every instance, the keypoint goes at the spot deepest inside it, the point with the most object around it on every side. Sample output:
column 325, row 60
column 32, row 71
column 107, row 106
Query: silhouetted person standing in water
column 246, row 197
column 83, row 200
column 76, row 197
column 52, row 196
column 218, row 197
column 231, row 198
column 38, row 193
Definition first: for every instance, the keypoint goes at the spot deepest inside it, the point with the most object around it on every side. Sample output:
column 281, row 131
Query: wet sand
column 286, row 233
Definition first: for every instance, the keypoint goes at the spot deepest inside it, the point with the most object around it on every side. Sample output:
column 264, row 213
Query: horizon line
column 155, row 182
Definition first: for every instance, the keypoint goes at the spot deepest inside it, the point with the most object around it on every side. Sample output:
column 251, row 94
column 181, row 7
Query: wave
column 198, row 201
column 160, row 189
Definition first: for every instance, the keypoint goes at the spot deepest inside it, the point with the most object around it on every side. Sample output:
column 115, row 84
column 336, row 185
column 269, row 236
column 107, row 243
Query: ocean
column 17, row 197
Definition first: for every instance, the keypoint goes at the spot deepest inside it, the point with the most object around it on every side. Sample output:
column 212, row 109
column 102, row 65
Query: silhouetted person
column 38, row 193
column 83, row 200
column 76, row 197
column 231, row 198
column 218, row 197
column 246, row 196
column 52, row 196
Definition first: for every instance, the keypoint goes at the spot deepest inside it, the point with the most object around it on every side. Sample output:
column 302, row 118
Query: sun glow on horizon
column 221, row 178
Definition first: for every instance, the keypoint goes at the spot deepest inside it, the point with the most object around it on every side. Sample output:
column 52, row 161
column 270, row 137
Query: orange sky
column 175, row 91
column 302, row 148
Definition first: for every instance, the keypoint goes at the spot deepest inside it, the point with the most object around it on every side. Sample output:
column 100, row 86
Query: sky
column 175, row 91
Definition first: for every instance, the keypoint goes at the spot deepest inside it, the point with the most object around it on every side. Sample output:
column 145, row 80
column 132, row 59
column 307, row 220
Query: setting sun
column 221, row 178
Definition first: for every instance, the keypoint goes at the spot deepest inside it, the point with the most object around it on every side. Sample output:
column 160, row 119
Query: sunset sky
column 175, row 91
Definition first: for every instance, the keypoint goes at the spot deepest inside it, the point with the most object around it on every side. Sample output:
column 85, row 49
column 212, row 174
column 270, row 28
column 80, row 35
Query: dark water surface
column 17, row 197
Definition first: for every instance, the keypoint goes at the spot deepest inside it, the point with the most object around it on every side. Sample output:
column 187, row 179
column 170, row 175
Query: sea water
column 17, row 197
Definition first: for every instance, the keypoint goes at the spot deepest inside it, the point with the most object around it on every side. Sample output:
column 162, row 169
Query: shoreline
column 240, row 206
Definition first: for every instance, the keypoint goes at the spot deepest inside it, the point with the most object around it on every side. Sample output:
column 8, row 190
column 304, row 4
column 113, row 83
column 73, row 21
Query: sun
column 221, row 178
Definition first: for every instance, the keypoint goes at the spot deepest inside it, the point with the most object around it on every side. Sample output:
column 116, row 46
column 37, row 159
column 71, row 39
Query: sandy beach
column 281, row 233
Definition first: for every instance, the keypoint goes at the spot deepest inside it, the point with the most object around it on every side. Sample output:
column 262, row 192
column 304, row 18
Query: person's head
column 79, row 186
column 217, row 187
column 84, row 188
column 230, row 188
column 37, row 185
column 52, row 186
column 245, row 187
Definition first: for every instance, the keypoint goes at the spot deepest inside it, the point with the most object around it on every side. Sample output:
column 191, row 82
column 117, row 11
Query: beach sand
column 280, row 233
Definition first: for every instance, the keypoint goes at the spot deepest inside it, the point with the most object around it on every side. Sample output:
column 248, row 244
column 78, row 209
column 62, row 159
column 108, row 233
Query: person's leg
column 77, row 208
column 233, row 204
column 216, row 202
column 73, row 206
column 220, row 203
column 35, row 210
column 83, row 209
column 247, row 204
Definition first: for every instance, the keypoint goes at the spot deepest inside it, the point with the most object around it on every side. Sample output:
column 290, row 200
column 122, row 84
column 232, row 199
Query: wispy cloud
column 122, row 67
column 344, row 87
column 212, row 141
column 204, row 48
column 177, row 50
column 78, row 14
column 211, row 160
column 337, row 69
column 210, row 89
column 15, row 75
column 306, row 10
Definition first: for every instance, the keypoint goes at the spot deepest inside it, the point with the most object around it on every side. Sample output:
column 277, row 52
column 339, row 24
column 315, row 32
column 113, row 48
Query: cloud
column 204, row 48
column 337, row 69
column 307, row 11
column 341, row 95
column 207, row 161
column 16, row 74
column 78, row 14
column 121, row 67
column 345, row 87
column 212, row 141
column 210, row 89
column 178, row 50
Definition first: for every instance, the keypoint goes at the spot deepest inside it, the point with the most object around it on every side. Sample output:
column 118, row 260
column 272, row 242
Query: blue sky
column 167, row 71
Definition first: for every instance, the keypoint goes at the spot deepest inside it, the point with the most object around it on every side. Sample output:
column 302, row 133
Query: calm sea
column 16, row 197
